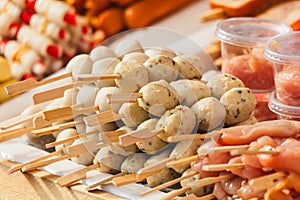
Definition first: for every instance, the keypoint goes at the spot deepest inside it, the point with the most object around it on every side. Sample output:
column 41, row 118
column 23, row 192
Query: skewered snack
column 151, row 145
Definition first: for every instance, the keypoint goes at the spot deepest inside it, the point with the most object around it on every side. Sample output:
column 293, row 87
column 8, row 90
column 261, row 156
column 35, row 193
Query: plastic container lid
column 283, row 109
column 249, row 31
column 284, row 48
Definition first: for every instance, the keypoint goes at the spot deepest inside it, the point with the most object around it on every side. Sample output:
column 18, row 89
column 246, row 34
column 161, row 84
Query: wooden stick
column 207, row 197
column 44, row 163
column 123, row 97
column 210, row 180
column 193, row 158
column 39, row 122
column 104, row 181
column 212, row 14
column 53, row 129
column 138, row 135
column 182, row 161
column 252, row 152
column 18, row 120
column 198, row 136
column 157, row 166
column 29, row 84
column 168, row 184
column 261, row 183
column 81, row 111
column 171, row 195
column 123, row 180
column 88, row 146
column 133, row 178
column 113, row 136
column 102, row 118
column 95, row 77
column 55, row 93
column 70, row 139
column 15, row 134
column 222, row 167
column 58, row 113
column 20, row 166
column 200, row 183
column 75, row 176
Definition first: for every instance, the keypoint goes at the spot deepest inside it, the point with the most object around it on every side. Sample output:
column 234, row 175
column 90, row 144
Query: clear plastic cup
column 284, row 52
column 242, row 46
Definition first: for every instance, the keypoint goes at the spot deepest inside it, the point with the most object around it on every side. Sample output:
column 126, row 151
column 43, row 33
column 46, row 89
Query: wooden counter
column 42, row 185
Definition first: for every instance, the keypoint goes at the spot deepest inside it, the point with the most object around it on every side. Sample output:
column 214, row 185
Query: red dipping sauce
column 242, row 46
column 284, row 52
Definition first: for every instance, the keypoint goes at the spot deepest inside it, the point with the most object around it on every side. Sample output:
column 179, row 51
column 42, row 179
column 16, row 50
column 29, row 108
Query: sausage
column 133, row 114
column 143, row 13
column 110, row 21
column 134, row 162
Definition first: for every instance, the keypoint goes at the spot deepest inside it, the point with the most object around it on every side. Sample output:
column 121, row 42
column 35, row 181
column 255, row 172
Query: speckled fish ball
column 84, row 158
column 134, row 162
column 177, row 121
column 198, row 63
column 220, row 83
column 86, row 95
column 64, row 134
column 117, row 148
column 198, row 191
column 190, row 91
column 101, row 52
column 152, row 52
column 80, row 64
column 162, row 67
column 158, row 96
column 210, row 114
column 186, row 68
column 185, row 149
column 128, row 46
column 108, row 161
column 138, row 57
column 166, row 175
column 133, row 114
column 133, row 76
column 152, row 144
column 105, row 66
column 239, row 104
column 102, row 102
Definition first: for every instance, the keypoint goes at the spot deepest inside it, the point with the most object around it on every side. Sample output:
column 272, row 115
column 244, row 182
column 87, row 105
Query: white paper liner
column 16, row 151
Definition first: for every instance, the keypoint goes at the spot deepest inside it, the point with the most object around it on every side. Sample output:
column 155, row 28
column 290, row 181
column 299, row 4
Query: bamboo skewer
column 179, row 138
column 15, row 134
column 75, row 176
column 70, row 139
column 20, row 166
column 182, row 161
column 222, row 167
column 96, row 77
column 39, row 122
column 55, row 93
column 29, row 84
column 44, row 163
column 263, row 182
column 157, row 166
column 104, row 181
column 88, row 146
column 18, row 120
column 133, row 178
column 138, row 135
column 53, row 129
column 113, row 136
column 123, row 97
column 207, row 197
column 168, row 184
column 199, row 183
column 102, row 118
